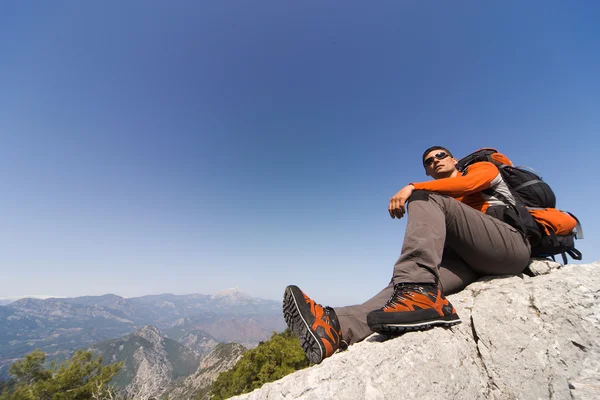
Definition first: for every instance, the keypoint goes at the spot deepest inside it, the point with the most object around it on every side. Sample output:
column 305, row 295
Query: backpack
column 552, row 231
column 559, row 231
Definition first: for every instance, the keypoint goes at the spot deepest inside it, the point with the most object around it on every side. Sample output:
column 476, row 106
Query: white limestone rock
column 542, row 266
column 521, row 338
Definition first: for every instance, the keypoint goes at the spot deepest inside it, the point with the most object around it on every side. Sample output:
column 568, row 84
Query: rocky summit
column 521, row 337
column 222, row 358
column 151, row 362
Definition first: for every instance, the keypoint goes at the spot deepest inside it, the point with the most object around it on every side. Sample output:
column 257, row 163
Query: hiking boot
column 413, row 307
column 316, row 326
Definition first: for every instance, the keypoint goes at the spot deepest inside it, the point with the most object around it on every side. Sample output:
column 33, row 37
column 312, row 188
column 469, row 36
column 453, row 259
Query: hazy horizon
column 45, row 297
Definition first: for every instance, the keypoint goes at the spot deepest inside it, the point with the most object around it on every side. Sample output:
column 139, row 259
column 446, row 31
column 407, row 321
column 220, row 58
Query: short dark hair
column 429, row 150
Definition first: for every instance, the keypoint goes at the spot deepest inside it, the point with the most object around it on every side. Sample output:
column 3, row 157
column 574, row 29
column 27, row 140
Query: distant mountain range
column 158, row 367
column 59, row 326
column 7, row 300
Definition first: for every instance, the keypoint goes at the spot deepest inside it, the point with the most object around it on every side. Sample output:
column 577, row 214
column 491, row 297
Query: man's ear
column 426, row 173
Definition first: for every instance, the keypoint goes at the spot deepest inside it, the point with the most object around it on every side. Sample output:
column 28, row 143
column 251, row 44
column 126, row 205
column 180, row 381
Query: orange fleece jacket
column 467, row 187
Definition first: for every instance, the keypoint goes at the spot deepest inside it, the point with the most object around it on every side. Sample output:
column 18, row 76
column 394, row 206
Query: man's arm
column 397, row 205
column 478, row 178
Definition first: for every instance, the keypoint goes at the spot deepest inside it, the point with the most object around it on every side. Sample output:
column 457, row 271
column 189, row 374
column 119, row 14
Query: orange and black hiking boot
column 413, row 307
column 316, row 326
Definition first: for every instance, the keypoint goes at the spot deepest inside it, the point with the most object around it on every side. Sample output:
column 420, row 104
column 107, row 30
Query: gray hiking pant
column 445, row 241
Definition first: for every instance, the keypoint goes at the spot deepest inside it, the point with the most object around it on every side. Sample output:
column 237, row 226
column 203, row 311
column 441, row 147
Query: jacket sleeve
column 478, row 177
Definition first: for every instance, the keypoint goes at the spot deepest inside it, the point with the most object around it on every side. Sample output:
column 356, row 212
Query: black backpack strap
column 525, row 184
column 484, row 154
column 575, row 254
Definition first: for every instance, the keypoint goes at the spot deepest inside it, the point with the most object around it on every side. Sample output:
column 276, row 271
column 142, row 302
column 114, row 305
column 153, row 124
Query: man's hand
column 397, row 206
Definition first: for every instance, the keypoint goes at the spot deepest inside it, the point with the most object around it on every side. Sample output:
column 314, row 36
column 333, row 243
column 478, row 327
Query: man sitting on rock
column 449, row 242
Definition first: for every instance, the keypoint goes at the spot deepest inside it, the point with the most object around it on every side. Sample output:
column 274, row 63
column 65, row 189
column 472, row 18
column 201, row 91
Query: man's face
column 439, row 164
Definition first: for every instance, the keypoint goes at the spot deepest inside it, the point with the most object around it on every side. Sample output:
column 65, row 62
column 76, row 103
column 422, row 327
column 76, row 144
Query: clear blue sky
column 187, row 147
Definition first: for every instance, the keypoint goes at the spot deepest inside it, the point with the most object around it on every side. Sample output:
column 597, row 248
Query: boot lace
column 401, row 289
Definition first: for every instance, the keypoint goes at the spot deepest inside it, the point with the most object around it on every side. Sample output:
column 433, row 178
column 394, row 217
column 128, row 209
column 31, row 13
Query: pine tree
column 271, row 360
column 80, row 378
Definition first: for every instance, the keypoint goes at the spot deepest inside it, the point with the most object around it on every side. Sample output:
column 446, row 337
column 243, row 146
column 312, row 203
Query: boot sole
column 295, row 320
column 396, row 329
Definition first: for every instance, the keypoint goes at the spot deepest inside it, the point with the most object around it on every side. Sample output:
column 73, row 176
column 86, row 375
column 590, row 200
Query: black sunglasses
column 440, row 156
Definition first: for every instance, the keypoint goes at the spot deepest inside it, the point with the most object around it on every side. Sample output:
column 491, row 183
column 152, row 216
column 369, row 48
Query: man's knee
column 432, row 199
column 426, row 195
column 420, row 195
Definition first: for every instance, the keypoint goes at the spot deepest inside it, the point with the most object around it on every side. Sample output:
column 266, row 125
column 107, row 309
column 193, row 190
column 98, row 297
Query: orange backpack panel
column 501, row 159
column 554, row 221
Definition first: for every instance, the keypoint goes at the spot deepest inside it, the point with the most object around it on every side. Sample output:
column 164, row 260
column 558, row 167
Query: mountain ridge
column 151, row 361
column 58, row 326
